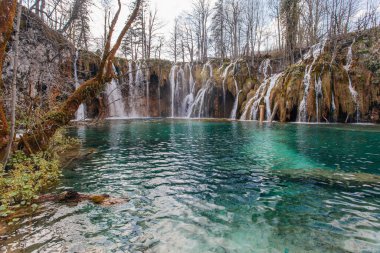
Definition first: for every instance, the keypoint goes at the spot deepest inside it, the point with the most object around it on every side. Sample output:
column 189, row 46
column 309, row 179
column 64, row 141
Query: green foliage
column 373, row 64
column 29, row 175
column 60, row 142
column 58, row 117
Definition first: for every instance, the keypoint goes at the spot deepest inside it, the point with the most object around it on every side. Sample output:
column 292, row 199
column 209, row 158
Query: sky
column 168, row 10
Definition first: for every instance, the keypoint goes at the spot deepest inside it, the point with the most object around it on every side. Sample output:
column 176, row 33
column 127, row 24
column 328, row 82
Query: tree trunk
column 7, row 15
column 14, row 83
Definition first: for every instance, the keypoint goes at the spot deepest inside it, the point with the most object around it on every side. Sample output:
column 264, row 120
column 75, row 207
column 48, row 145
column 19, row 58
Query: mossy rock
column 99, row 199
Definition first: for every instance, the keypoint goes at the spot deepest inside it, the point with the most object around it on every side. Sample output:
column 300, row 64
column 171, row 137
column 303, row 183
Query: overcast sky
column 168, row 10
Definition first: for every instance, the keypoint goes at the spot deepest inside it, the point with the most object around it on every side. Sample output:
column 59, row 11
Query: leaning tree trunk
column 7, row 15
column 39, row 137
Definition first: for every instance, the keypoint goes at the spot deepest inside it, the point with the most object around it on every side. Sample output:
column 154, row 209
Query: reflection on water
column 198, row 186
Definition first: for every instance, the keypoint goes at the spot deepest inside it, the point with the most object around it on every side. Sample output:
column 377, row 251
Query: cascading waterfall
column 254, row 102
column 115, row 99
column 139, row 90
column 264, row 67
column 133, row 92
column 333, row 106
column 199, row 101
column 272, row 84
column 252, row 106
column 181, row 83
column 225, row 76
column 173, row 84
column 318, row 94
column 189, row 99
column 79, row 115
column 260, row 96
column 191, row 79
column 306, row 83
column 236, row 102
column 198, row 105
column 315, row 51
column 209, row 66
column 353, row 92
column 147, row 74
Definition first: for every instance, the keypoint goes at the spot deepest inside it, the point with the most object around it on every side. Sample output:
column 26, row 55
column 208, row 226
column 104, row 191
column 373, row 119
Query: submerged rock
column 75, row 154
column 73, row 197
column 329, row 176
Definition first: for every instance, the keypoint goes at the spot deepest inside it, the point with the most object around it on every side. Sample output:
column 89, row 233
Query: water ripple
column 216, row 187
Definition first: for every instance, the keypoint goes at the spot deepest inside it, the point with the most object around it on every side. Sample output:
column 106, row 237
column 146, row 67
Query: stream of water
column 216, row 186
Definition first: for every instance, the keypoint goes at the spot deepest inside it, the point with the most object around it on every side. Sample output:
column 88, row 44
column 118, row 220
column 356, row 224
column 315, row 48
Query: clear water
column 203, row 186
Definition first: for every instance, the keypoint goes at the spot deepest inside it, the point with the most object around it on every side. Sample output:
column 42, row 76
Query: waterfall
column 333, row 106
column 115, row 99
column 254, row 102
column 139, row 90
column 318, row 94
column 353, row 92
column 236, row 103
column 79, row 115
column 264, row 67
column 315, row 51
column 147, row 74
column 173, row 88
column 208, row 65
column 191, row 79
column 199, row 102
column 189, row 99
column 182, row 86
column 225, row 76
column 263, row 92
column 272, row 84
column 198, row 106
column 302, row 115
column 133, row 93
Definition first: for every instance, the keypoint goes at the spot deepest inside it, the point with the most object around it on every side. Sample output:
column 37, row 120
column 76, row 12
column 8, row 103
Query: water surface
column 205, row 186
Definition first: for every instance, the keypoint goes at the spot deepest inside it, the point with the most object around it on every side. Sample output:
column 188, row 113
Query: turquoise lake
column 216, row 186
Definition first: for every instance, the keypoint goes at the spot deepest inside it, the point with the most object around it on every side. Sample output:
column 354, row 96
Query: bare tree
column 290, row 17
column 175, row 40
column 201, row 13
column 218, row 29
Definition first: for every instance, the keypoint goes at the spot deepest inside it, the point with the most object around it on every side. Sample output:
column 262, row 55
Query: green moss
column 59, row 117
column 373, row 64
column 363, row 51
column 98, row 199
column 296, row 70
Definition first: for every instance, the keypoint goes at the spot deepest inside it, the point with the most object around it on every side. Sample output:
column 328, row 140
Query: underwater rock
column 328, row 177
column 73, row 197
column 74, row 155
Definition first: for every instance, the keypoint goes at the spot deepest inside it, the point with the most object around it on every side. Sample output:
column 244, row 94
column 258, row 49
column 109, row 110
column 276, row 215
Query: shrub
column 27, row 176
